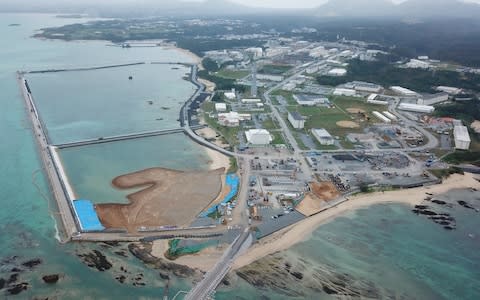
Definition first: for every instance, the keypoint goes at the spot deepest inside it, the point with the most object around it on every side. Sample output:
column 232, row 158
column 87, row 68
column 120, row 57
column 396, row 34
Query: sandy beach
column 210, row 134
column 299, row 232
column 195, row 58
column 204, row 260
column 217, row 160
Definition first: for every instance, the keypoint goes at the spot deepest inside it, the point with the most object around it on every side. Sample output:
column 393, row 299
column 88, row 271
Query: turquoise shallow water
column 91, row 169
column 97, row 103
column 27, row 227
column 405, row 255
column 386, row 245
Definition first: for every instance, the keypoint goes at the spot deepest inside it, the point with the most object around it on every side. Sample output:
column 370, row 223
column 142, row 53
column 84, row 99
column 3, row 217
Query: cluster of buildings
column 232, row 119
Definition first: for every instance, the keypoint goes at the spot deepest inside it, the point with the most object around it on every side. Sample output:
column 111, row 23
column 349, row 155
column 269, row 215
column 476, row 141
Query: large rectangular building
column 416, row 108
column 403, row 91
column 382, row 117
column 310, row 100
column 362, row 86
column 344, row 92
column 323, row 136
column 297, row 120
column 462, row 138
column 221, row 107
column 258, row 137
column 430, row 99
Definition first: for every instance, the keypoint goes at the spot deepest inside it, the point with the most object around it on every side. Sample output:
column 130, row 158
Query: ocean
column 385, row 250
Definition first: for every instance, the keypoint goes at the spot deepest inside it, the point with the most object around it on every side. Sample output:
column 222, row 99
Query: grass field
column 232, row 74
column 286, row 94
column 327, row 117
column 277, row 138
column 344, row 103
column 269, row 124
column 275, row 69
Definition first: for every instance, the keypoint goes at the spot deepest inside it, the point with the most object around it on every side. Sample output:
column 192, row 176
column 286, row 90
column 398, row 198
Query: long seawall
column 56, row 182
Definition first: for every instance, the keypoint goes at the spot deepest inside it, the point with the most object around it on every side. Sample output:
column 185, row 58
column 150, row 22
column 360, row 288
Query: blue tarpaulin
column 232, row 181
column 87, row 215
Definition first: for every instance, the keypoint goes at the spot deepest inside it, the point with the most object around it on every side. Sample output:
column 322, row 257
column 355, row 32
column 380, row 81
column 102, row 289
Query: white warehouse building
column 403, row 91
column 390, row 116
column 258, row 137
column 337, row 72
column 310, row 100
column 462, row 138
column 382, row 117
column 221, row 107
column 430, row 99
column 416, row 108
column 344, row 92
column 448, row 89
column 251, row 100
column 323, row 136
column 297, row 121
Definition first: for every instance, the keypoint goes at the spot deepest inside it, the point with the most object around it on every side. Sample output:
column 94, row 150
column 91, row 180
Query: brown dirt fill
column 315, row 201
column 324, row 190
column 169, row 197
column 354, row 110
column 347, row 124
column 310, row 205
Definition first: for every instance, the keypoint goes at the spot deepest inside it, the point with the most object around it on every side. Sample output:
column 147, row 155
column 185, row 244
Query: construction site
column 163, row 200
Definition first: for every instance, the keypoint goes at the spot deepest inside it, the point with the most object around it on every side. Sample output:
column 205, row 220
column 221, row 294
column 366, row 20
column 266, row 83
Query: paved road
column 240, row 216
column 286, row 130
column 130, row 136
column 213, row 278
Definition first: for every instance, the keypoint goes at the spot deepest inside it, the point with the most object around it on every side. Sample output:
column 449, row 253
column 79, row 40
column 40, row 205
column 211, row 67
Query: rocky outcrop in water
column 96, row 259
column 11, row 268
column 18, row 288
column 143, row 252
column 466, row 205
column 296, row 277
column 444, row 219
column 53, row 278
column 32, row 263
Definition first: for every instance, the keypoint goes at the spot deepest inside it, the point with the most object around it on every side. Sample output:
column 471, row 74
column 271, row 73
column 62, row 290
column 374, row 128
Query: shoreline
column 197, row 60
column 302, row 230
column 217, row 160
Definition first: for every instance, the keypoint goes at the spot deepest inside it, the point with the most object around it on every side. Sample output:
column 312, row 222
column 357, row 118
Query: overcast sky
column 298, row 3
column 254, row 3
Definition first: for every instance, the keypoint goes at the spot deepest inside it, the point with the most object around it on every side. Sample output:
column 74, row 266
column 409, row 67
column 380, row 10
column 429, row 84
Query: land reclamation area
column 99, row 103
column 88, row 104
column 169, row 198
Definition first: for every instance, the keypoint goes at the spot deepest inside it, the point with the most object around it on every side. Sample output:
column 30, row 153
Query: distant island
column 71, row 16
column 14, row 24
